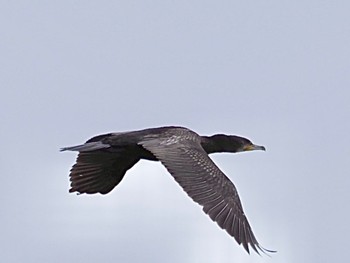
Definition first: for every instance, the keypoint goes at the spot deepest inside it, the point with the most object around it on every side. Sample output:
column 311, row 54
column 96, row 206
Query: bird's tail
column 87, row 147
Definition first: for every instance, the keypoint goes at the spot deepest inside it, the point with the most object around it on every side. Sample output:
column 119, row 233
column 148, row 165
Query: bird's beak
column 253, row 147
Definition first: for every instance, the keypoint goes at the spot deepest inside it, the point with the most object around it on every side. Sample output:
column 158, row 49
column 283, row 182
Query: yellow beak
column 253, row 147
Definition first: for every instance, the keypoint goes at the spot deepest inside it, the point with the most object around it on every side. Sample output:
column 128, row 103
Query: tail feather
column 87, row 147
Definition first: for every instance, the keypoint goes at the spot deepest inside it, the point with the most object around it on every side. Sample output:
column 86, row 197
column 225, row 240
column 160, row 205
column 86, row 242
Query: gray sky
column 276, row 72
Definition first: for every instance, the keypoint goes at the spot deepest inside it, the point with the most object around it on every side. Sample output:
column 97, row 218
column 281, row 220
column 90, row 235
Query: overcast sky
column 276, row 72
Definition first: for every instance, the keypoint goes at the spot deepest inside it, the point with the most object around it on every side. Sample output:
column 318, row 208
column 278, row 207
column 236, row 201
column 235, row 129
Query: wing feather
column 99, row 171
column 205, row 183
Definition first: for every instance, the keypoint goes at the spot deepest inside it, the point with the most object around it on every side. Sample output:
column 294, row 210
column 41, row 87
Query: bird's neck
column 210, row 145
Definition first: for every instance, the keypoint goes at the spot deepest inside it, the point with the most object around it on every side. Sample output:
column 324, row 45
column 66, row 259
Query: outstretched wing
column 97, row 169
column 206, row 184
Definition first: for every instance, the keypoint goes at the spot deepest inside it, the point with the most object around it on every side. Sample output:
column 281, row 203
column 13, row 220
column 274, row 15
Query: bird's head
column 247, row 145
column 232, row 143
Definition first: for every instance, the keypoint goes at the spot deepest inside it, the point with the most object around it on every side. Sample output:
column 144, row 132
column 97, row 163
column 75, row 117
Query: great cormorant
column 103, row 161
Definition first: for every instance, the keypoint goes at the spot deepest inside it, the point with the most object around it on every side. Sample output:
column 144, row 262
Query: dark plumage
column 103, row 161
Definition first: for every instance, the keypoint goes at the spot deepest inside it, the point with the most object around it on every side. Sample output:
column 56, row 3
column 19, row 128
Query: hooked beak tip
column 253, row 147
column 261, row 148
column 258, row 147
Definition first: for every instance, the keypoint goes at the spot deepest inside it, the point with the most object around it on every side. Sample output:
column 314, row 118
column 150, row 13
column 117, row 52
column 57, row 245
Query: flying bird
column 103, row 161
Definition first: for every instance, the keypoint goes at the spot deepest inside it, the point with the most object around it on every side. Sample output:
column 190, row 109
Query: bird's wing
column 206, row 184
column 99, row 171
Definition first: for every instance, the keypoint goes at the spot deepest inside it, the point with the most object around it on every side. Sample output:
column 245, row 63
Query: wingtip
column 266, row 251
column 258, row 249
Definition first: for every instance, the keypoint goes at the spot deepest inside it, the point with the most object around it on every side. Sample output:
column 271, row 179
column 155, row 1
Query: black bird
column 103, row 161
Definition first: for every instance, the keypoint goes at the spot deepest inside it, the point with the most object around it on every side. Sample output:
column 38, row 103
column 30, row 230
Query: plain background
column 276, row 72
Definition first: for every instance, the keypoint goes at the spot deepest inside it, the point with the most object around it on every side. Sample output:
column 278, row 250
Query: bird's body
column 103, row 161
